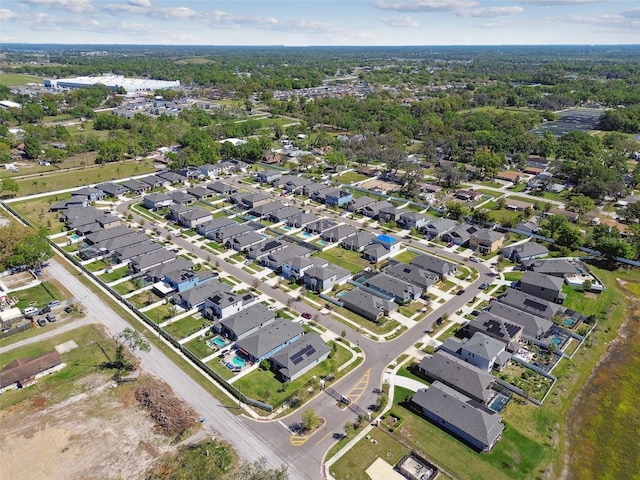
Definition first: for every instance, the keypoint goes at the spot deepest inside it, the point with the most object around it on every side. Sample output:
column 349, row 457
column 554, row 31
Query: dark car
column 484, row 286
column 306, row 315
column 42, row 322
column 460, row 292
column 44, row 310
column 68, row 309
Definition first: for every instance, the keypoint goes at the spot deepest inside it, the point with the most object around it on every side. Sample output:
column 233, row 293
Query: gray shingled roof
column 248, row 319
column 413, row 274
column 458, row 374
column 532, row 325
column 300, row 354
column 262, row 342
column 461, row 412
column 530, row 303
column 483, row 346
column 433, row 264
column 543, row 281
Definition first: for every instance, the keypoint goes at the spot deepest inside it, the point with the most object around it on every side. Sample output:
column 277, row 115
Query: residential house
column 242, row 242
column 517, row 205
column 225, row 234
column 108, row 245
column 321, row 277
column 267, row 246
column 209, row 228
column 319, row 226
column 72, row 203
column 484, row 352
column 177, row 210
column 493, row 326
column 284, row 214
column 181, row 198
column 272, row 158
column 543, row 286
column 112, row 189
column 467, row 195
column 458, row 374
column 201, row 193
column 151, row 259
column 527, row 227
column 195, row 297
column 253, row 200
column 265, row 209
column 93, row 194
column 292, row 183
column 222, row 188
column 389, row 214
column 412, row 274
column 224, row 303
column 358, row 204
column 358, row 242
column 134, row 186
column 159, row 272
column 301, row 219
column 524, row 251
column 106, row 234
column 382, row 247
column 245, row 322
column 393, row 288
column 313, row 188
column 460, row 415
column 338, row 233
column 460, row 235
column 321, row 195
column 509, row 176
column 555, row 188
column 299, row 357
column 530, row 303
column 373, row 209
column 409, row 220
column 153, row 181
column 340, row 199
column 486, row 241
column 296, row 266
column 191, row 172
column 269, row 340
column 125, row 254
column 436, row 265
column 274, row 260
column 209, row 170
column 438, row 227
column 554, row 267
column 195, row 217
column 185, row 279
column 367, row 305
column 173, row 177
column 268, row 176
column 571, row 216
column 533, row 326
column 157, row 201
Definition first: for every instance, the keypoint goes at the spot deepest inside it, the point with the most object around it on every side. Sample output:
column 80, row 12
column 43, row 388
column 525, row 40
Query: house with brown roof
column 23, row 372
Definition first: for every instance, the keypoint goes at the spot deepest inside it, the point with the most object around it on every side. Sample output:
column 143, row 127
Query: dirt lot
column 98, row 434
column 381, row 184
column 17, row 280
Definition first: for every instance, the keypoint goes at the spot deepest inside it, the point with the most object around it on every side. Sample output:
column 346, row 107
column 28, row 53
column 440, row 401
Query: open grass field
column 76, row 178
column 38, row 296
column 16, row 79
column 36, row 211
column 350, row 177
column 406, row 256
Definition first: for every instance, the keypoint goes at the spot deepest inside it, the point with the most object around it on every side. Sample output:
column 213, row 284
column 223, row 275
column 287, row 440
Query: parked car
column 484, row 286
column 450, row 244
column 475, row 259
column 51, row 317
column 475, row 313
column 42, row 322
column 460, row 292
column 68, row 309
column 307, row 315
column 54, row 303
column 30, row 311
column 44, row 310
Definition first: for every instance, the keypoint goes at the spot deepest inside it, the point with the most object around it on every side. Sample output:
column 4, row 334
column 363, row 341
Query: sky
column 321, row 22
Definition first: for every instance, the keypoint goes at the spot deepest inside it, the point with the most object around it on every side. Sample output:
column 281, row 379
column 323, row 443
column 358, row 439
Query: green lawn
column 350, row 177
column 405, row 257
column 446, row 285
column 16, row 79
column 513, row 276
column 348, row 259
column 77, row 178
column 411, row 309
column 162, row 313
column 199, row 347
column 385, row 327
column 37, row 212
column 504, row 216
column 143, row 299
column 220, row 368
column 38, row 296
column 115, row 274
column 185, row 327
column 96, row 265
column 124, row 287
column 263, row 385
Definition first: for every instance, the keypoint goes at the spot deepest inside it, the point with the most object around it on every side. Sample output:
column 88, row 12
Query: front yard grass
column 405, row 257
column 411, row 309
column 374, row 327
column 513, row 276
column 38, row 296
column 263, row 385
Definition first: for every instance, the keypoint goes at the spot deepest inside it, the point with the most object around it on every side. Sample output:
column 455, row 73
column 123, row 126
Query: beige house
column 486, row 241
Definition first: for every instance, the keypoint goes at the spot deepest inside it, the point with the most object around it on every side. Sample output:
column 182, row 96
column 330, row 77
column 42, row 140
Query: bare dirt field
column 17, row 280
column 99, row 434
column 381, row 184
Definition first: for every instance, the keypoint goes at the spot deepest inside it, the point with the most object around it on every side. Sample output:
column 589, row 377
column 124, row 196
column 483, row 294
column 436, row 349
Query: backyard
column 38, row 296
column 347, row 259
column 185, row 326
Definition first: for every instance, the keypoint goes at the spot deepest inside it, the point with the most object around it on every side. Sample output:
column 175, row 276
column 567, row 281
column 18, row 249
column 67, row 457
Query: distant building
column 131, row 85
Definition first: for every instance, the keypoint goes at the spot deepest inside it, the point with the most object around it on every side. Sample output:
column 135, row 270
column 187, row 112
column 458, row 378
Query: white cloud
column 116, row 9
column 172, row 12
column 78, row 6
column 553, row 3
column 491, row 12
column 401, row 21
column 609, row 22
column 6, row 14
column 425, row 5
column 140, row 3
column 633, row 13
column 46, row 22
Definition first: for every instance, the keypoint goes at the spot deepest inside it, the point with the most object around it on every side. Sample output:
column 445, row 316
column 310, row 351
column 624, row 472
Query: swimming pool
column 339, row 294
column 555, row 341
column 306, row 234
column 286, row 227
column 239, row 361
column 321, row 242
column 499, row 403
column 219, row 341
column 569, row 322
column 74, row 237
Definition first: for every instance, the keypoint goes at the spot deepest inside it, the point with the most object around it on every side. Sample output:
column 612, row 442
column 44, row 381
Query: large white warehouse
column 131, row 85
